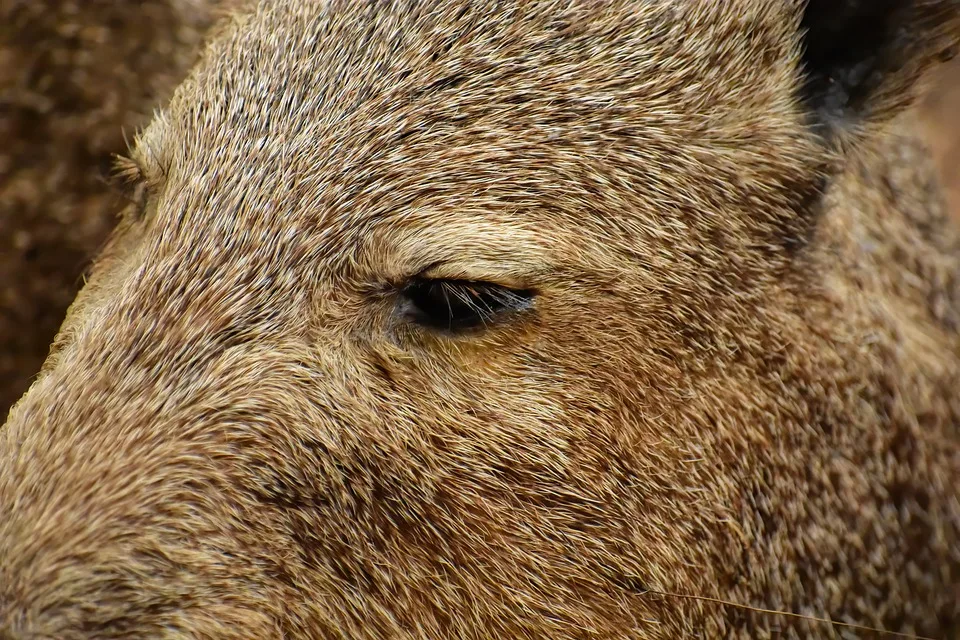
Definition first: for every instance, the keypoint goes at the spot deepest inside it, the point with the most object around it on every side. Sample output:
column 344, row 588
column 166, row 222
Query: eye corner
column 460, row 306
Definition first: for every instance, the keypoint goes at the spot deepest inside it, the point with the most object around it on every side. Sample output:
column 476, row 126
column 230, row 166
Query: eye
column 461, row 305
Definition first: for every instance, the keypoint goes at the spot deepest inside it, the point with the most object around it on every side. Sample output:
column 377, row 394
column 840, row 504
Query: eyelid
column 447, row 270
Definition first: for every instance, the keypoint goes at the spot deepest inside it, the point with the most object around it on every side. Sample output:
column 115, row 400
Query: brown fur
column 737, row 379
column 73, row 75
column 941, row 127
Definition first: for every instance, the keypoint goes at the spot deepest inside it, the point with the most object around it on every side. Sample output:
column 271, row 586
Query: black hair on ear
column 862, row 58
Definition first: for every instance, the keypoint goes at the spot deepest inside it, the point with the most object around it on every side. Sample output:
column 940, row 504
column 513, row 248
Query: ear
column 863, row 59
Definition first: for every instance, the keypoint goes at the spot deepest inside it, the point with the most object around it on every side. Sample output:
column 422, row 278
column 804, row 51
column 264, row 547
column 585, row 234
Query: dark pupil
column 458, row 305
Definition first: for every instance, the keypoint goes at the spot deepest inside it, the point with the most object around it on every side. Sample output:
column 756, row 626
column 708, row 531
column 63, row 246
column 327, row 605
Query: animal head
column 468, row 319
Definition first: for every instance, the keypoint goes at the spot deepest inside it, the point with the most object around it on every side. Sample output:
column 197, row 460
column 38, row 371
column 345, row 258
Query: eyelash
column 458, row 306
column 128, row 178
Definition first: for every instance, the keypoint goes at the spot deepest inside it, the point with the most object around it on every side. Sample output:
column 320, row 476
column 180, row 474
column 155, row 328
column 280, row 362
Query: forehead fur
column 344, row 115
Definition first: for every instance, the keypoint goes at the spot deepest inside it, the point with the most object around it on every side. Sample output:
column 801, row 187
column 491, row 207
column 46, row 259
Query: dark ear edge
column 863, row 58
